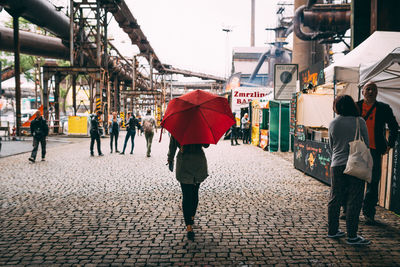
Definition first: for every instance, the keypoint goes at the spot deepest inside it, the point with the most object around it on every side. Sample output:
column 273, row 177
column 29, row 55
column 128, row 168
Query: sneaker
column 358, row 241
column 31, row 160
column 43, row 159
column 121, row 153
column 101, row 154
column 338, row 234
column 91, row 154
column 131, row 153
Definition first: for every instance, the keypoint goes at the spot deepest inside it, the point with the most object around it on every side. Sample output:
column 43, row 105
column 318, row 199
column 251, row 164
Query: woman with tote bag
column 345, row 189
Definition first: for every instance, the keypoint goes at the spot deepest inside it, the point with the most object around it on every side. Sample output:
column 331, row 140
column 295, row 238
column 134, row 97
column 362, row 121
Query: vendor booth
column 311, row 143
column 376, row 59
column 270, row 124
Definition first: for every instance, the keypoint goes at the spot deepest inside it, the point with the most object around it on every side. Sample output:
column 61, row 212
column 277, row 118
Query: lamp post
column 227, row 30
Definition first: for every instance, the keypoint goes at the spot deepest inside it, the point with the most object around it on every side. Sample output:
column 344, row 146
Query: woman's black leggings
column 190, row 200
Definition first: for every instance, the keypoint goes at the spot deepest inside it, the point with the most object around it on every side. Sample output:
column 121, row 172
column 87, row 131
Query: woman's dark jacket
column 191, row 162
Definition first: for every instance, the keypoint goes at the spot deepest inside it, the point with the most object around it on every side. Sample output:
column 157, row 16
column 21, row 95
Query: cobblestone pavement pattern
column 255, row 209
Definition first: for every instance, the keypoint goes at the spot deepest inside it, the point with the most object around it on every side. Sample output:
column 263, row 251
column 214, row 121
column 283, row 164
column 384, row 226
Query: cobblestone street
column 254, row 209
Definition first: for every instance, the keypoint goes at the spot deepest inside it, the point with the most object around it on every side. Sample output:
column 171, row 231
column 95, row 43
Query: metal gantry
column 81, row 37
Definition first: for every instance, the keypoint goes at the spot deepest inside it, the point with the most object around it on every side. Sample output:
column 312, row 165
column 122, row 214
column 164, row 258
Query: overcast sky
column 188, row 34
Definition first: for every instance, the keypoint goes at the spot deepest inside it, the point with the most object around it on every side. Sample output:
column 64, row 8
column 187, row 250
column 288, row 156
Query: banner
column 244, row 95
column 313, row 75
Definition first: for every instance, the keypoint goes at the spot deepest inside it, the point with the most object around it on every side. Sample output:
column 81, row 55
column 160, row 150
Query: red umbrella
column 198, row 117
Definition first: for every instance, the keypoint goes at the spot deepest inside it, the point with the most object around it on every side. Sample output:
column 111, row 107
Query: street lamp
column 227, row 30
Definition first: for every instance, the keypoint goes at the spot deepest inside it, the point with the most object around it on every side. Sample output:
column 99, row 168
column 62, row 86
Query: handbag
column 359, row 163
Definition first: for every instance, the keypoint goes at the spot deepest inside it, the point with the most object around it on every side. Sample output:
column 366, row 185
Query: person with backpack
column 131, row 126
column 39, row 130
column 149, row 124
column 95, row 133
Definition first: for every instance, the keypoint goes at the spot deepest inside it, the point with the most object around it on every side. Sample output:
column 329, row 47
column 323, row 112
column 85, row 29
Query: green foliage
column 5, row 59
column 62, row 63
column 23, row 24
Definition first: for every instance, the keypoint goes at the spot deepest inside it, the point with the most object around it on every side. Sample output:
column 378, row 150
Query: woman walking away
column 114, row 131
column 345, row 187
column 191, row 170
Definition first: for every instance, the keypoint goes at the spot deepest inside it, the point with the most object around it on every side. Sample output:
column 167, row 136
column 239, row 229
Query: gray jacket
column 342, row 131
column 191, row 162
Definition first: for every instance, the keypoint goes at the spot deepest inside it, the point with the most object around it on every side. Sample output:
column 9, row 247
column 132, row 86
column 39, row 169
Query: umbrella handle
column 161, row 134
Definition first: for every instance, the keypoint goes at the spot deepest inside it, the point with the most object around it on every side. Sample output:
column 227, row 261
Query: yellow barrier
column 255, row 135
column 77, row 125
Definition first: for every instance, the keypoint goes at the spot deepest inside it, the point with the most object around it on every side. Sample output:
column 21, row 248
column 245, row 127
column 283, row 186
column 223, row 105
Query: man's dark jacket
column 39, row 128
column 384, row 115
column 132, row 123
column 94, row 125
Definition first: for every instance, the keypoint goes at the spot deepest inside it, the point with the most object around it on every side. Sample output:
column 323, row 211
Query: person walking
column 139, row 118
column 234, row 132
column 191, row 171
column 148, row 125
column 114, row 131
column 95, row 133
column 345, row 188
column 131, row 126
column 39, row 130
column 377, row 115
column 246, row 128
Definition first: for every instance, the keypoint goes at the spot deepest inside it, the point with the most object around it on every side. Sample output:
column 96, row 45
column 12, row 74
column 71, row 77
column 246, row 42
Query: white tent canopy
column 376, row 59
column 386, row 74
column 373, row 49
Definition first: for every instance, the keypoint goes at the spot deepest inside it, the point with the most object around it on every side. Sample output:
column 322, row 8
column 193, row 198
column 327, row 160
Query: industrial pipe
column 260, row 62
column 41, row 13
column 34, row 44
column 326, row 20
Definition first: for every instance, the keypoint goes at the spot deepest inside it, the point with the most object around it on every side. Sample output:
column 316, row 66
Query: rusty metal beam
column 17, row 69
column 170, row 69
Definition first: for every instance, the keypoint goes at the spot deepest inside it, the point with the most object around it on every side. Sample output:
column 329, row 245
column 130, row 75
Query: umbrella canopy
column 198, row 117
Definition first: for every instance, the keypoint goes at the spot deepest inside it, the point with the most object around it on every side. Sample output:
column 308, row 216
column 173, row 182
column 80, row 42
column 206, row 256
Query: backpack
column 147, row 126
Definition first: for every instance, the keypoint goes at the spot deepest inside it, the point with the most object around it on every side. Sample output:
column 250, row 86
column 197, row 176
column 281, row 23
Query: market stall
column 346, row 76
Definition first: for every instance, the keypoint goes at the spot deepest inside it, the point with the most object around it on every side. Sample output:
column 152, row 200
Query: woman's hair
column 344, row 105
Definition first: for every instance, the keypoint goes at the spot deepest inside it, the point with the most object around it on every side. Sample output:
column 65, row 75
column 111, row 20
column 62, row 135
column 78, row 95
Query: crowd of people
column 368, row 118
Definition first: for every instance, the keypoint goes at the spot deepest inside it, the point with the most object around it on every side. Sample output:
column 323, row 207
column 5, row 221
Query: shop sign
column 244, row 95
column 313, row 75
column 313, row 158
column 285, row 81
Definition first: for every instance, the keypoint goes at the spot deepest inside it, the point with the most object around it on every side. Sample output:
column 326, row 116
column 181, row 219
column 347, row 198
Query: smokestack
column 253, row 15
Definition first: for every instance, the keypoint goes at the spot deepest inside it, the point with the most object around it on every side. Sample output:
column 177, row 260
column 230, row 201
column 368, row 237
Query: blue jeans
column 131, row 134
